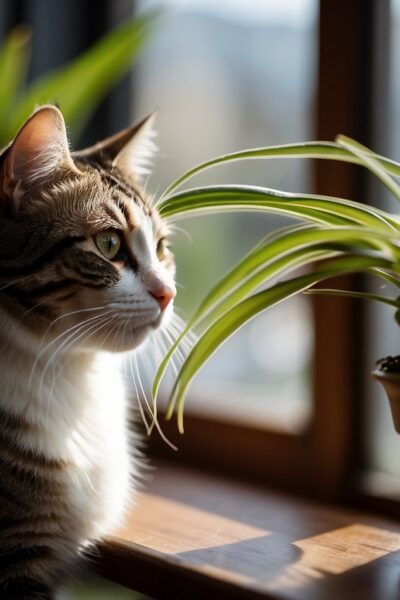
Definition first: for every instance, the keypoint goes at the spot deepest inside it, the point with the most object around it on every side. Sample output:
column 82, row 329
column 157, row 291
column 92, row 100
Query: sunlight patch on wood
column 337, row 551
column 173, row 527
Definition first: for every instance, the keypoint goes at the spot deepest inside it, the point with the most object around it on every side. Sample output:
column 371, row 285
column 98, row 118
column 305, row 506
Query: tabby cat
column 85, row 274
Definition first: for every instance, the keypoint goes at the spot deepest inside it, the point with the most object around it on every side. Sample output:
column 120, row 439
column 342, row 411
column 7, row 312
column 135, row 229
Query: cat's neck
column 62, row 407
column 40, row 381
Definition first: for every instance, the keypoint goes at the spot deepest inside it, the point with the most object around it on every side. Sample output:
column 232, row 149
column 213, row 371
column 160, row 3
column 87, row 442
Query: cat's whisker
column 63, row 316
column 120, row 325
column 158, row 353
column 53, row 362
column 155, row 423
column 175, row 327
column 145, row 363
column 146, row 401
column 44, row 350
column 69, row 314
column 117, row 317
column 92, row 330
column 30, row 310
column 187, row 341
column 184, row 345
column 138, row 399
column 54, row 341
column 11, row 283
column 176, row 229
column 72, row 336
column 178, row 356
column 176, row 332
column 78, row 326
column 166, row 347
column 178, row 320
column 180, row 325
column 153, row 408
column 138, row 395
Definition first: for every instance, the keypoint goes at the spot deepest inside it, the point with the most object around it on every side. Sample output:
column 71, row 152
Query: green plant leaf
column 80, row 86
column 308, row 206
column 295, row 260
column 389, row 277
column 14, row 56
column 227, row 325
column 351, row 294
column 290, row 248
column 322, row 150
column 288, row 252
column 251, row 262
column 368, row 160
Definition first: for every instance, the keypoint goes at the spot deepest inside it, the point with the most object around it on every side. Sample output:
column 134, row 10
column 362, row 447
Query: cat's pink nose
column 163, row 294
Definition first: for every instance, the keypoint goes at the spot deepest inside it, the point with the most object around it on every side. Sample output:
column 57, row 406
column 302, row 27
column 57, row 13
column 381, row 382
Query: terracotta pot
column 391, row 383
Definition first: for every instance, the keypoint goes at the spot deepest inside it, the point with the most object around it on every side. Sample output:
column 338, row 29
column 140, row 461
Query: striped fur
column 68, row 459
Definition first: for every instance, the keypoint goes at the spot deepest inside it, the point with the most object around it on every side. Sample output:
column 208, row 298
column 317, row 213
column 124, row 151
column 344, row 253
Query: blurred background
column 227, row 75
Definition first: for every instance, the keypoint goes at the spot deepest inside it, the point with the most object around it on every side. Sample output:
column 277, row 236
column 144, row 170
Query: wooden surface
column 195, row 536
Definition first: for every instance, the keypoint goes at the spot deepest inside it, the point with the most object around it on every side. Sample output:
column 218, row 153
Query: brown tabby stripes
column 48, row 256
column 29, row 542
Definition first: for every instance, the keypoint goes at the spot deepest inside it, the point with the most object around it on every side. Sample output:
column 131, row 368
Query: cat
column 85, row 275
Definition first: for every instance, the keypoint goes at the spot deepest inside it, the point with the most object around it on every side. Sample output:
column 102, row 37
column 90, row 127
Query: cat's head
column 82, row 250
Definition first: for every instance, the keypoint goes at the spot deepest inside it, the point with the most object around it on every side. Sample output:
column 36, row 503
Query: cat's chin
column 124, row 341
column 129, row 339
column 125, row 335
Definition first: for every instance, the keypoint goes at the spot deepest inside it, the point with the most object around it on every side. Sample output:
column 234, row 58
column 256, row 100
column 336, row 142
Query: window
column 383, row 442
column 212, row 69
column 318, row 435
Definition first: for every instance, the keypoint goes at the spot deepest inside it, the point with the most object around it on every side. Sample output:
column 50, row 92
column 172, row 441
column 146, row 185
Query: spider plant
column 335, row 236
column 77, row 87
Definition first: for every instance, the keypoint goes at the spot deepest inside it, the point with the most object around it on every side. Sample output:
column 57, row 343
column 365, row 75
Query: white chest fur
column 100, row 446
column 79, row 416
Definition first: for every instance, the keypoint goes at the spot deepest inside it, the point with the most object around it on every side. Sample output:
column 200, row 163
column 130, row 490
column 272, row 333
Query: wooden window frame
column 324, row 459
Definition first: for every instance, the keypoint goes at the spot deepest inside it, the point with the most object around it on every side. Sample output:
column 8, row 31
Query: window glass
column 212, row 70
column 383, row 443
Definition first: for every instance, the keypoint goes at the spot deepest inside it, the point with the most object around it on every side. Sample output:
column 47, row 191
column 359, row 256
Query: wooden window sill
column 193, row 535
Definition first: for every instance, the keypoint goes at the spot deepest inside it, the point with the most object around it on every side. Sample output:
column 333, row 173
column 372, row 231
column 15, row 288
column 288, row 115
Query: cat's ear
column 40, row 147
column 135, row 157
column 130, row 150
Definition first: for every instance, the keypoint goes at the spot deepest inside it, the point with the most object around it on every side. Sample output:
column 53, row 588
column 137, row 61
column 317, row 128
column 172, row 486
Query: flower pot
column 391, row 383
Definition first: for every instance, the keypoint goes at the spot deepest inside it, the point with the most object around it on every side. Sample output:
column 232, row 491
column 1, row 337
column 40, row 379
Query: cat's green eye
column 162, row 247
column 109, row 243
